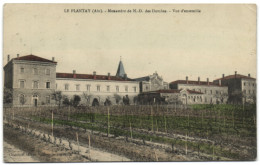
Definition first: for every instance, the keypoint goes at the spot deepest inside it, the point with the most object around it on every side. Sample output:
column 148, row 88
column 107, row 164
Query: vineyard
column 134, row 133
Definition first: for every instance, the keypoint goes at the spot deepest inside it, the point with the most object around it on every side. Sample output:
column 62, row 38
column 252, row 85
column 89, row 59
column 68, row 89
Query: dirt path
column 13, row 154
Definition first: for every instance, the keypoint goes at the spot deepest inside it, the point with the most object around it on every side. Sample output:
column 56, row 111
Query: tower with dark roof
column 120, row 70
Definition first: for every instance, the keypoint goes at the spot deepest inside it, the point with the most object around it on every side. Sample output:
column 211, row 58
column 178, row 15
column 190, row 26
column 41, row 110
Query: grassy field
column 217, row 130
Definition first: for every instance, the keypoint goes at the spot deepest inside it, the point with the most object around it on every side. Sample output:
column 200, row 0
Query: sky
column 220, row 39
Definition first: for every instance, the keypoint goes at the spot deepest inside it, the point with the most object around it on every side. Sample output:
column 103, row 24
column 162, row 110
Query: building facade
column 171, row 96
column 212, row 93
column 31, row 80
column 96, row 89
column 241, row 89
column 151, row 83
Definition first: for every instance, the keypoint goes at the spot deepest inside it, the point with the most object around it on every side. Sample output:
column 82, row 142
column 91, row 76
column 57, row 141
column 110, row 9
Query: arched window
column 22, row 99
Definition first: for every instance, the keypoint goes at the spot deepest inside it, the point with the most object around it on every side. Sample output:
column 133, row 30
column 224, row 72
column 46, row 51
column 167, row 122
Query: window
column 35, row 71
column 48, row 72
column 210, row 91
column 147, row 88
column 248, row 84
column 117, row 88
column 249, row 91
column 21, row 70
column 244, row 84
column 205, row 91
column 216, row 92
column 134, row 89
column 126, row 88
column 48, row 99
column 108, row 88
column 22, row 99
column 77, row 87
column 22, row 83
column 253, row 84
column 98, row 88
column 35, row 84
column 206, row 99
column 66, row 87
column 253, row 91
column 88, row 87
column 48, row 85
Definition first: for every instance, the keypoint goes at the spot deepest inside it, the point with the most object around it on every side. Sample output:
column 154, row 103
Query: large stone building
column 151, row 83
column 171, row 96
column 241, row 88
column 212, row 93
column 32, row 80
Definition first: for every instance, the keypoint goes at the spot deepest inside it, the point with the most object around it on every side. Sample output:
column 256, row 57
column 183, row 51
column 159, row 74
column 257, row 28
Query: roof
column 120, row 70
column 173, row 91
column 238, row 76
column 193, row 82
column 146, row 78
column 34, row 58
column 89, row 76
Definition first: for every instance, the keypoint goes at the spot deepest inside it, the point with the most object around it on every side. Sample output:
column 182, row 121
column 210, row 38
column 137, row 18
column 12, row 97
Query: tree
column 57, row 96
column 118, row 98
column 66, row 101
column 76, row 100
column 107, row 102
column 8, row 96
column 126, row 100
column 221, row 97
column 87, row 97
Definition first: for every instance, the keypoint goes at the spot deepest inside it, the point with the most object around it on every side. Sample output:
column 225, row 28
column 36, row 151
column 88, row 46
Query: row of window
column 198, row 99
column 36, row 71
column 98, row 87
column 249, row 84
column 35, row 84
column 249, row 91
column 23, row 100
column 208, row 91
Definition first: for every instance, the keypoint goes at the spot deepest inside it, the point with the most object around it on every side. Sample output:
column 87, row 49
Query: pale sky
column 220, row 39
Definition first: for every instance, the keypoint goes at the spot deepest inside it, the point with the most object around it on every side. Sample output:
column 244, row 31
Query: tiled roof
column 89, row 76
column 238, row 76
column 191, row 82
column 194, row 92
column 173, row 91
column 33, row 58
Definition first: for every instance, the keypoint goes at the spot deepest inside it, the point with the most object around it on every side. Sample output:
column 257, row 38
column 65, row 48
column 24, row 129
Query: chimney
column 186, row 79
column 199, row 80
column 125, row 76
column 53, row 58
column 235, row 74
column 74, row 73
column 207, row 81
column 108, row 76
column 223, row 75
column 94, row 74
column 8, row 58
column 17, row 55
column 248, row 74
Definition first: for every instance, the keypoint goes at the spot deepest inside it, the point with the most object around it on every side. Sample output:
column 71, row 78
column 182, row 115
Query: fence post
column 107, row 121
column 52, row 122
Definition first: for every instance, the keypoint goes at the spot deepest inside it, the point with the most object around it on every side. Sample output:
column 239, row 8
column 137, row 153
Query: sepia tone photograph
column 129, row 82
